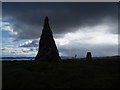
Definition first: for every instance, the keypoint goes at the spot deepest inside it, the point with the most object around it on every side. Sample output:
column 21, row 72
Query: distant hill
column 62, row 57
column 17, row 58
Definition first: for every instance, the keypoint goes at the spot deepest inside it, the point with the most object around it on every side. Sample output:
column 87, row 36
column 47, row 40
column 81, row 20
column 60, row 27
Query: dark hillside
column 65, row 74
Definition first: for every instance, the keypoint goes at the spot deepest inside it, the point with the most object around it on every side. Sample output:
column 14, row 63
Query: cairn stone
column 88, row 56
column 47, row 48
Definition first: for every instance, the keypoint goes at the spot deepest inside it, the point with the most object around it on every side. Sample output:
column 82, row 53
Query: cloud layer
column 30, row 43
column 77, row 27
column 27, row 18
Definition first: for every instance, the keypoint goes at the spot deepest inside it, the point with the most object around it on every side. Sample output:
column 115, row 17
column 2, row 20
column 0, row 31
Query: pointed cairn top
column 46, row 19
column 46, row 23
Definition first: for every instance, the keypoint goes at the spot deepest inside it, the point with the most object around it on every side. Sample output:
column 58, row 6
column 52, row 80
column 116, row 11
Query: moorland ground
column 77, row 73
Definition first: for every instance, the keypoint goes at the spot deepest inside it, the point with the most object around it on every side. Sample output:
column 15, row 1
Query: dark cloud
column 3, row 49
column 31, row 49
column 13, row 52
column 27, row 18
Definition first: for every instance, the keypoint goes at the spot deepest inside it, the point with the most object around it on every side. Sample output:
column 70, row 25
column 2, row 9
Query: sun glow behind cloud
column 89, row 35
column 97, row 39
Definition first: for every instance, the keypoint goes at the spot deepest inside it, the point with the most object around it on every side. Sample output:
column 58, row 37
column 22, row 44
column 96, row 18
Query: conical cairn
column 47, row 47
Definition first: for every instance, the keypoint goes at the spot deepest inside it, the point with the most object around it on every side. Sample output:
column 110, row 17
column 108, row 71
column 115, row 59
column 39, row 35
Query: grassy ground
column 65, row 74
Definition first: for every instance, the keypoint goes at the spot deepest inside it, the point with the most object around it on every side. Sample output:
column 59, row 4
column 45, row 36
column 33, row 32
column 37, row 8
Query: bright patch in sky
column 6, row 26
column 96, row 39
column 98, row 35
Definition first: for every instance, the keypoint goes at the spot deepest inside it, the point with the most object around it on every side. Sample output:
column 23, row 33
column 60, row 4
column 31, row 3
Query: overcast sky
column 77, row 27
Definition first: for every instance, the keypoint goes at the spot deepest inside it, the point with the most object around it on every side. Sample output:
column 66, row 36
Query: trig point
column 88, row 56
column 47, row 48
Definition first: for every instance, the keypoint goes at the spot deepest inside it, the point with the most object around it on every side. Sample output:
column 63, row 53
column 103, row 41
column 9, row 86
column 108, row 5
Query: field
column 66, row 74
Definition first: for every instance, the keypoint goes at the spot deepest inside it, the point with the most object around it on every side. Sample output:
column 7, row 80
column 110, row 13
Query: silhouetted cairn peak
column 46, row 19
column 47, row 47
column 88, row 56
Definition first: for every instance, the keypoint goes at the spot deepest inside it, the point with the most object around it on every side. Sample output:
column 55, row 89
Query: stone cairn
column 47, row 47
column 88, row 56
